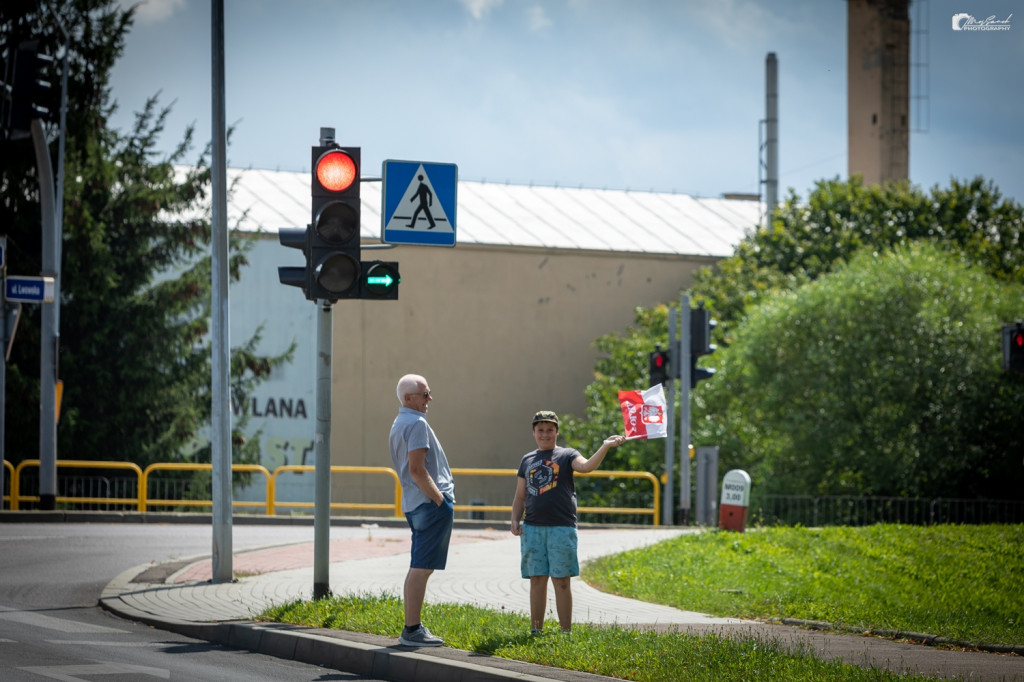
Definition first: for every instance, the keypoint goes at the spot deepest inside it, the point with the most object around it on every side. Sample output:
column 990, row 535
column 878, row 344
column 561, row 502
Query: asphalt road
column 51, row 577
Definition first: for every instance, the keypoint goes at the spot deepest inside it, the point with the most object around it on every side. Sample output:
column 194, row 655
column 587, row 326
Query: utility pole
column 220, row 361
column 50, row 325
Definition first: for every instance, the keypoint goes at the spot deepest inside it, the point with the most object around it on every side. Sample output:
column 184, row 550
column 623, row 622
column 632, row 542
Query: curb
column 921, row 638
column 357, row 653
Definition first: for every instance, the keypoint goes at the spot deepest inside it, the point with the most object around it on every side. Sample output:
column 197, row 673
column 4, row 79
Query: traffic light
column 333, row 265
column 380, row 280
column 1013, row 347
column 26, row 91
column 701, row 326
column 658, row 366
column 295, row 276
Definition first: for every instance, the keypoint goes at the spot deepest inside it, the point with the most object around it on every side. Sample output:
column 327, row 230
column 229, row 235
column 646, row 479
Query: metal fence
column 101, row 493
column 182, row 487
column 848, row 510
column 605, row 494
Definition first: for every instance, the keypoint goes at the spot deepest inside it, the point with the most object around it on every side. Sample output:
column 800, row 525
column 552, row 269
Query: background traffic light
column 25, row 89
column 333, row 265
column 658, row 360
column 701, row 326
column 1013, row 347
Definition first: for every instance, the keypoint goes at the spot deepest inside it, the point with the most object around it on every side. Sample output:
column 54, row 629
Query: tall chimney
column 771, row 189
column 878, row 98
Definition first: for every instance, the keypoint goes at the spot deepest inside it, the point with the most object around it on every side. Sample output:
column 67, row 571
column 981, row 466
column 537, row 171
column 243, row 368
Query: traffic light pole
column 322, row 437
column 670, row 442
column 322, row 455
column 684, row 409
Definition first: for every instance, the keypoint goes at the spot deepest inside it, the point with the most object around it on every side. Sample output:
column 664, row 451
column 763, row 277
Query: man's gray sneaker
column 421, row 636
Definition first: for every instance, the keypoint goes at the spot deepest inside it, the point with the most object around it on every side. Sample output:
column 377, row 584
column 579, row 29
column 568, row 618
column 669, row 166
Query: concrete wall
column 499, row 333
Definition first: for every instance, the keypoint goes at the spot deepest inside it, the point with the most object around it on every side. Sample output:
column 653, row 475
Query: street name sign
column 418, row 203
column 29, row 289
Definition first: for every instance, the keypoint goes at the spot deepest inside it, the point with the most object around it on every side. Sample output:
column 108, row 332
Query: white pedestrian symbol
column 417, row 208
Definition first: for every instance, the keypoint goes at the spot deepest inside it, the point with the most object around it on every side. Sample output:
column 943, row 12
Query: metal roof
column 523, row 216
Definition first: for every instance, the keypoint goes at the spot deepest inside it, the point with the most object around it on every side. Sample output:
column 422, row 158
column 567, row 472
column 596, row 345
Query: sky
column 662, row 95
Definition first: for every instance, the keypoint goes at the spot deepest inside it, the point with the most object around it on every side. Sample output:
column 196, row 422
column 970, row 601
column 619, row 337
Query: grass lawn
column 960, row 582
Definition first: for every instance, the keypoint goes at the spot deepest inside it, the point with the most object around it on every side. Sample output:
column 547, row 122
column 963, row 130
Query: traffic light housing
column 333, row 268
column 25, row 90
column 659, row 360
column 701, row 326
column 379, row 280
column 294, row 275
column 1013, row 347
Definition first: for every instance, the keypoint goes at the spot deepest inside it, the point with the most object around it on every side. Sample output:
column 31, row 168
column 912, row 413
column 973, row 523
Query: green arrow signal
column 386, row 280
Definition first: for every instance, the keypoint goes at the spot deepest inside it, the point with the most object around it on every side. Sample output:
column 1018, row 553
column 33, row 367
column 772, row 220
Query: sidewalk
column 483, row 569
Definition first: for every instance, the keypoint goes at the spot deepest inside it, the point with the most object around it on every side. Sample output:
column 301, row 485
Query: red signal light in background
column 658, row 366
column 336, row 171
column 1018, row 339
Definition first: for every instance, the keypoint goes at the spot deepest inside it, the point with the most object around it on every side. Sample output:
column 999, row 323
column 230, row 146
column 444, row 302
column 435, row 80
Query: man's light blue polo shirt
column 412, row 432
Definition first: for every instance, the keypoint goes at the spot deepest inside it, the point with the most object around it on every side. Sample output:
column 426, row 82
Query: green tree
column 881, row 378
column 136, row 280
column 624, row 367
column 840, row 218
column 969, row 220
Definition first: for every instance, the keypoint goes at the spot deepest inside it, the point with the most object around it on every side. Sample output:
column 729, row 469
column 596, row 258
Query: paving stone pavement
column 483, row 569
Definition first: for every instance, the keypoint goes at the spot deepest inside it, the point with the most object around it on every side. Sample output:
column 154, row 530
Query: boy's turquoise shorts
column 549, row 550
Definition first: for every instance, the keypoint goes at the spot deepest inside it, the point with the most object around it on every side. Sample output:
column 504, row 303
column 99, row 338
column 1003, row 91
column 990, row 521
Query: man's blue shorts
column 549, row 550
column 431, row 532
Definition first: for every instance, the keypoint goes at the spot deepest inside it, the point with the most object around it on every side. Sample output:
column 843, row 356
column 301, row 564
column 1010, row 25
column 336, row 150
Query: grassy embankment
column 958, row 582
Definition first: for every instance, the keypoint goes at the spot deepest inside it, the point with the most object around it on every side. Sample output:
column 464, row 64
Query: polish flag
column 644, row 413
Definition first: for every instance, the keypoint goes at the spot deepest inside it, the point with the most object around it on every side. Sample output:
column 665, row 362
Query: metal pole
column 684, row 410
column 220, row 416
column 322, row 455
column 771, row 134
column 3, row 360
column 670, row 442
column 50, row 339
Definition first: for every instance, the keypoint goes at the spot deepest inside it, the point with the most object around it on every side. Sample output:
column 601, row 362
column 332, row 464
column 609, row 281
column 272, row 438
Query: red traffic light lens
column 336, row 171
column 1018, row 339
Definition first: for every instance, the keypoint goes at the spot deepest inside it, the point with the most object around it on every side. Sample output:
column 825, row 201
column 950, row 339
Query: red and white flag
column 644, row 413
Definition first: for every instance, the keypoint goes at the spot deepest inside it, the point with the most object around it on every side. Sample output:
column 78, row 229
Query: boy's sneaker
column 421, row 636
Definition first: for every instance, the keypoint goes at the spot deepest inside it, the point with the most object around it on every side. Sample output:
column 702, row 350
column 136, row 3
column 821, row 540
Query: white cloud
column 478, row 8
column 152, row 11
column 538, row 19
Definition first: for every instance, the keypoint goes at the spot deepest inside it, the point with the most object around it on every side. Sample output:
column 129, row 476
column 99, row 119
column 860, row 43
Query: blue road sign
column 29, row 289
column 419, row 203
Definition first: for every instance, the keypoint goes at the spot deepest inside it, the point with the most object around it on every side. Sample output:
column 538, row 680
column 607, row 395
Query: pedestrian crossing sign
column 419, row 203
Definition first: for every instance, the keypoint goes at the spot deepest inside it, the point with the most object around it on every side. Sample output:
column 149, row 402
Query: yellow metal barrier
column 10, row 481
column 17, row 498
column 646, row 475
column 395, row 506
column 145, row 501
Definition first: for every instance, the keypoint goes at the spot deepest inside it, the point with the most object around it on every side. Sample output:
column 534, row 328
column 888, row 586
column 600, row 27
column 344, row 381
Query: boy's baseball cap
column 545, row 416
